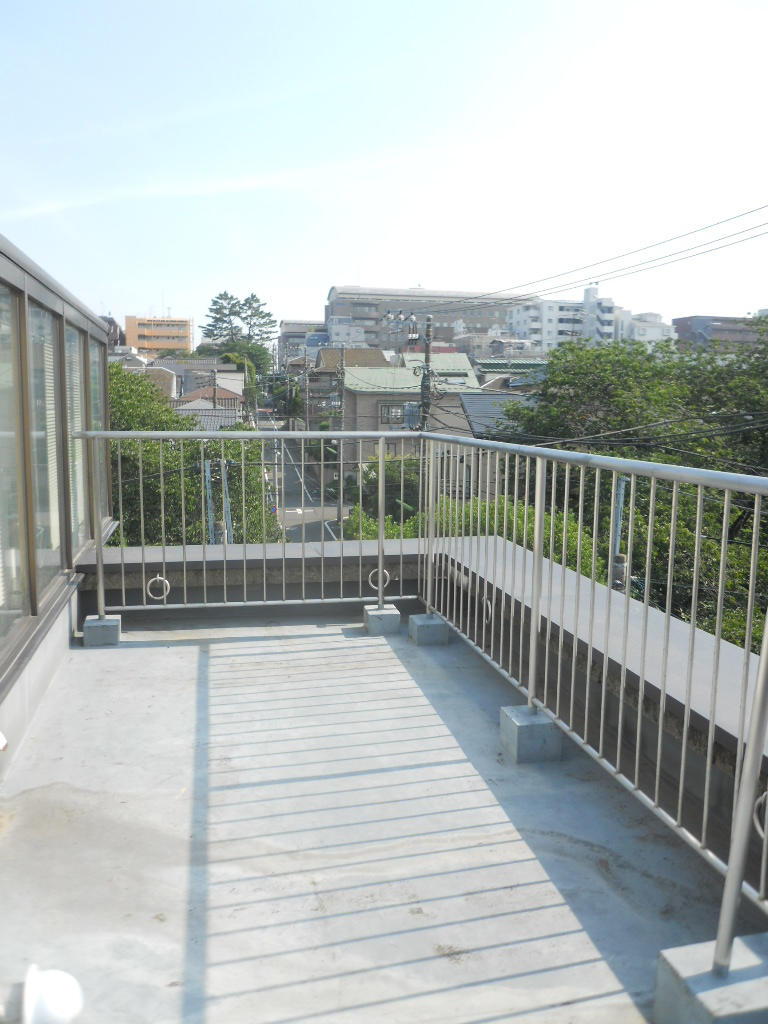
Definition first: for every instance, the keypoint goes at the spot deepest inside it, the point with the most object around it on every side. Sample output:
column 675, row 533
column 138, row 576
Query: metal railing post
column 742, row 826
column 431, row 467
column 536, row 576
column 96, row 521
column 382, row 495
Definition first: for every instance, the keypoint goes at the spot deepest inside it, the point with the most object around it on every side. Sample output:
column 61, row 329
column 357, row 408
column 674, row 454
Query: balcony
column 266, row 804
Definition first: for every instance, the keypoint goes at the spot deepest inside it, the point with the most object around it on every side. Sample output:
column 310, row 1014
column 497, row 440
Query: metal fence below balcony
column 625, row 598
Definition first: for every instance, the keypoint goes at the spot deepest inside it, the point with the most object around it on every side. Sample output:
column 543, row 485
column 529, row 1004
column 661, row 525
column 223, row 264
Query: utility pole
column 426, row 377
column 306, row 378
column 341, row 385
column 342, row 369
column 215, row 389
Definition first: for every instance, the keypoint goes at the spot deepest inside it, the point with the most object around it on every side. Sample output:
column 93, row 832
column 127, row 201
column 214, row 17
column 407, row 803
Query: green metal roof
column 502, row 365
column 441, row 361
column 401, row 379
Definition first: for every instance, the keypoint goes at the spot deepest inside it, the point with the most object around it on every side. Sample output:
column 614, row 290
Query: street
column 298, row 502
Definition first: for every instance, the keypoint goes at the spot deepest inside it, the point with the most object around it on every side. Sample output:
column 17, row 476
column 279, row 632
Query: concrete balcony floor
column 277, row 818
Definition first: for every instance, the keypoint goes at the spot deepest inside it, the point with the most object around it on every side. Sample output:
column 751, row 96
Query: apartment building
column 153, row 336
column 704, row 330
column 292, row 339
column 646, row 327
column 368, row 308
column 547, row 322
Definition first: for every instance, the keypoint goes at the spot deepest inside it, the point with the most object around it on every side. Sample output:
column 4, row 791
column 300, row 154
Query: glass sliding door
column 14, row 600
column 45, row 446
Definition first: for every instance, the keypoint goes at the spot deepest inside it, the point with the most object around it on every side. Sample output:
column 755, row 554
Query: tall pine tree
column 224, row 319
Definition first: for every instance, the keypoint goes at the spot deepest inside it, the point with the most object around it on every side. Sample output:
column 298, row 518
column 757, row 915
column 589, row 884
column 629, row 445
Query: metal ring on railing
column 374, row 572
column 165, row 584
column 759, row 826
column 488, row 612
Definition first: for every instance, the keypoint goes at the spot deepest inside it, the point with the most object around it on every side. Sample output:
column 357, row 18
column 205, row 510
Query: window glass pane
column 74, row 345
column 46, row 443
column 13, row 592
column 97, row 386
column 98, row 418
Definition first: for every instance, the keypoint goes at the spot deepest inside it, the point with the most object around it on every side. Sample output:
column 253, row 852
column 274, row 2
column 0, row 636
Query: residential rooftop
column 224, row 820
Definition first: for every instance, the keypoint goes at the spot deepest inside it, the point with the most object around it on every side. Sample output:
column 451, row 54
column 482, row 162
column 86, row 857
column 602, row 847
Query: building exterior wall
column 368, row 308
column 703, row 330
column 292, row 339
column 156, row 335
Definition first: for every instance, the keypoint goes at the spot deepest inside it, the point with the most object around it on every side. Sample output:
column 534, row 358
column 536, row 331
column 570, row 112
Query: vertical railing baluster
column 563, row 567
column 747, row 647
column 552, row 513
column 360, row 518
column 716, row 664
column 183, row 497
column 504, row 554
column 742, row 830
column 644, row 633
column 613, row 529
column 526, row 507
column 244, row 511
column 468, row 454
column 284, row 531
column 484, row 605
column 592, row 596
column 141, row 526
column 382, row 512
column 203, row 518
column 341, row 519
column 665, row 645
column 577, row 598
column 302, row 484
column 162, row 515
column 477, row 543
column 492, row 623
column 224, row 518
column 430, row 568
column 513, row 570
column 95, row 456
column 536, row 576
column 625, row 631
column 691, row 652
column 121, row 524
column 450, row 553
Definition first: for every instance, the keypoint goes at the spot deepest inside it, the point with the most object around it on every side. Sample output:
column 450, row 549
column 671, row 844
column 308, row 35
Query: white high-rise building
column 546, row 322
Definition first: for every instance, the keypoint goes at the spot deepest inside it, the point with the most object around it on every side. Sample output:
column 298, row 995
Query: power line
column 444, row 306
column 639, row 268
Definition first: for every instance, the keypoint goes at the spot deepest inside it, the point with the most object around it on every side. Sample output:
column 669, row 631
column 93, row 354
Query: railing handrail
column 658, row 470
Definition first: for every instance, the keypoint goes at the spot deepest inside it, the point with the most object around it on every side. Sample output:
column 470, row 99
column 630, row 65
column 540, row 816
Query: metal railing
column 623, row 598
column 626, row 600
column 212, row 519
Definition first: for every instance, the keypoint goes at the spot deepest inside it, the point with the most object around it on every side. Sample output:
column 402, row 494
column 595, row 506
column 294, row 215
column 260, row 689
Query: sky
column 156, row 154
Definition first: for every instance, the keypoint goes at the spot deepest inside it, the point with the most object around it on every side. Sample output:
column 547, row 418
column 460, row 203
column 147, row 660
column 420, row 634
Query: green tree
column 259, row 325
column 259, row 356
column 401, row 486
column 224, row 319
column 240, row 327
column 159, row 488
column 703, row 409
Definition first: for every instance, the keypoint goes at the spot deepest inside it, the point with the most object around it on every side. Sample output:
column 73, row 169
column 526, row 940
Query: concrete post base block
column 428, row 629
column 101, row 632
column 381, row 621
column 687, row 990
column 528, row 736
